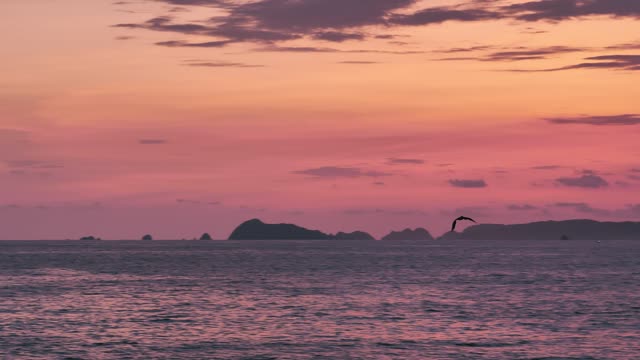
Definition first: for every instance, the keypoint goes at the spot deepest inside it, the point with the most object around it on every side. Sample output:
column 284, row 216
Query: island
column 147, row 237
column 408, row 234
column 255, row 229
column 205, row 236
column 90, row 238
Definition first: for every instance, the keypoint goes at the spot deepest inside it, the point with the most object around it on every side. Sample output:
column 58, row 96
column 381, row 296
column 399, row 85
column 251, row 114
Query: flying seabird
column 453, row 226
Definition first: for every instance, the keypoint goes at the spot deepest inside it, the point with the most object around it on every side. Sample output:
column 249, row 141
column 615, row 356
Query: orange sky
column 119, row 119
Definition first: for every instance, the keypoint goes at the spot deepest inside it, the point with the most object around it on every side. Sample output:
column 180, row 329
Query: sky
column 179, row 117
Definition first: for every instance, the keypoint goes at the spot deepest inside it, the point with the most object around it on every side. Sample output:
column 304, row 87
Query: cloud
column 557, row 10
column 442, row 14
column 524, row 207
column 195, row 2
column 313, row 49
column 404, row 161
column 180, row 43
column 457, row 50
column 221, row 64
column 618, row 120
column 152, row 141
column 272, row 21
column 357, row 62
column 31, row 168
column 378, row 183
column 469, row 184
column 337, row 36
column 547, row 167
column 31, row 164
column 122, row 38
column 197, row 202
column 625, row 46
column 303, row 16
column 519, row 54
column 531, row 54
column 280, row 20
column 582, row 208
column 340, row 172
column 584, row 181
column 607, row 62
column 229, row 32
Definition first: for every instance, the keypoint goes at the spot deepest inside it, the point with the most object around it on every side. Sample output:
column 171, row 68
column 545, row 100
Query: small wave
column 563, row 358
column 491, row 345
column 390, row 345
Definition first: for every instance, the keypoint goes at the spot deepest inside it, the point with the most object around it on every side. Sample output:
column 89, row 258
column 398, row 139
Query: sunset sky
column 178, row 117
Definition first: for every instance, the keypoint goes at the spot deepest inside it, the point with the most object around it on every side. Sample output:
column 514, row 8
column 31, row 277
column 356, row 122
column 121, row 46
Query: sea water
column 319, row 300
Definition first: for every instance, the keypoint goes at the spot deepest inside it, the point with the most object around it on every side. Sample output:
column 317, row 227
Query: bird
column 453, row 226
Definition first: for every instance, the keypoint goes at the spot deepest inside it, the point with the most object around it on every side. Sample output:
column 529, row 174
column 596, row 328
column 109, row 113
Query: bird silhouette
column 453, row 226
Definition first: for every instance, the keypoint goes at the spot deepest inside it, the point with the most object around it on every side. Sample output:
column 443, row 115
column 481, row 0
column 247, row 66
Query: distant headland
column 256, row 229
column 550, row 230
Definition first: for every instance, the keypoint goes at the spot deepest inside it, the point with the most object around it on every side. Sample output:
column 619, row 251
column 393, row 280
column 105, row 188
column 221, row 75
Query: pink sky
column 119, row 119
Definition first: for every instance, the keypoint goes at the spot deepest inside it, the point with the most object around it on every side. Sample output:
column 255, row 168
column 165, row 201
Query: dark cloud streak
column 615, row 120
column 468, row 184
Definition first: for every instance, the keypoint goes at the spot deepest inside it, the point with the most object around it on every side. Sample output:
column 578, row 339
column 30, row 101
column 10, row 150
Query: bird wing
column 468, row 218
column 453, row 225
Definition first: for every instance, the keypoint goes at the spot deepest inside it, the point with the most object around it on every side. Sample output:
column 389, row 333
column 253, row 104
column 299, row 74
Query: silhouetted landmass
column 356, row 235
column 205, row 236
column 90, row 238
column 451, row 235
column 147, row 237
column 550, row 230
column 408, row 234
column 257, row 230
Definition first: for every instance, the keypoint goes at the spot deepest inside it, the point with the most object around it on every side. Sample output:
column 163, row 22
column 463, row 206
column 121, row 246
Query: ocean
column 319, row 300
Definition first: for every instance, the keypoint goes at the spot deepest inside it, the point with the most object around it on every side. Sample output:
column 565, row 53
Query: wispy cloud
column 272, row 21
column 358, row 62
column 547, row 167
column 608, row 62
column 616, row 120
column 341, row 172
column 404, row 161
column 582, row 208
column 584, row 181
column 221, row 64
column 469, row 184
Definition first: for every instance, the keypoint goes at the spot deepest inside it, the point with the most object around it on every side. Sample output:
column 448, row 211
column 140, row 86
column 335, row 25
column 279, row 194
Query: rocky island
column 255, row 229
